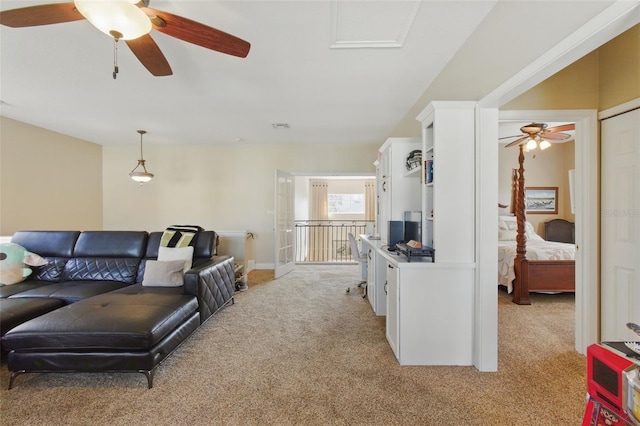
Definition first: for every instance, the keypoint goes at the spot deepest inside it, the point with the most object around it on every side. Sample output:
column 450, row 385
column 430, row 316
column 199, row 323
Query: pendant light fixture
column 143, row 175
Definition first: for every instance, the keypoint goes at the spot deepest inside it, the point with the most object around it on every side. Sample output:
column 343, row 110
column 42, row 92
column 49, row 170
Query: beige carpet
column 299, row 350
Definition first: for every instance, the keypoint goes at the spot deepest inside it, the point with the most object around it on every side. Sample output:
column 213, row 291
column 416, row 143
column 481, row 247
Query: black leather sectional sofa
column 86, row 310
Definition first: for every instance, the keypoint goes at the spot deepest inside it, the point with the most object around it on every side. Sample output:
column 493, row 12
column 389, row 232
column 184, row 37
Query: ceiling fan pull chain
column 115, row 58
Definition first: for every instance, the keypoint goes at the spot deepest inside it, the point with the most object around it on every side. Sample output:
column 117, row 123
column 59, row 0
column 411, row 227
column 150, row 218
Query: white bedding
column 537, row 249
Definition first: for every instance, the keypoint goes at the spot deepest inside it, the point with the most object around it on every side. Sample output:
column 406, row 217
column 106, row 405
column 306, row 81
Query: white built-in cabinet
column 376, row 275
column 429, row 312
column 448, row 199
column 429, row 305
column 398, row 189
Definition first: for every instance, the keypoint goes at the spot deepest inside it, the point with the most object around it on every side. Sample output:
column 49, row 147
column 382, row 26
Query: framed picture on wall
column 541, row 199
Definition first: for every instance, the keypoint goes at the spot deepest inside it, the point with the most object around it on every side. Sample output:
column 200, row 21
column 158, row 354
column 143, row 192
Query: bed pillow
column 168, row 273
column 506, row 223
column 509, row 223
column 177, row 253
column 506, row 235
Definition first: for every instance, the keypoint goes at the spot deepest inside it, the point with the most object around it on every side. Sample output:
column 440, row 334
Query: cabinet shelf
column 412, row 172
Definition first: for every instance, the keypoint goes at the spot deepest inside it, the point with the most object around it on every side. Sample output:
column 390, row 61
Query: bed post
column 521, row 287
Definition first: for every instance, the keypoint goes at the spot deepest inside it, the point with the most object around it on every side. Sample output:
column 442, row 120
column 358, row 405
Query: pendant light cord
column 141, row 156
column 115, row 58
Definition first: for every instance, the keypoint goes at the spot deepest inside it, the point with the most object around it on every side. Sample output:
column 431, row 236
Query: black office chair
column 362, row 258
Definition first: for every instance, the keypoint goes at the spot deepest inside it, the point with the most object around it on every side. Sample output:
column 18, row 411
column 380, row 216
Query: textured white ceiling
column 60, row 76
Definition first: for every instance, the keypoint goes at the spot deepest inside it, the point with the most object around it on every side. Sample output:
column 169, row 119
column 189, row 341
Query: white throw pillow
column 158, row 273
column 182, row 253
column 510, row 223
column 506, row 235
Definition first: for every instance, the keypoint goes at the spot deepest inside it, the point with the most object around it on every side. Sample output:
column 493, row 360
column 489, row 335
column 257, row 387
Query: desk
column 429, row 307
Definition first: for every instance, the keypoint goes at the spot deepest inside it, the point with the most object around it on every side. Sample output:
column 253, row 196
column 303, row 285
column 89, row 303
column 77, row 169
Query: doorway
column 327, row 209
column 586, row 213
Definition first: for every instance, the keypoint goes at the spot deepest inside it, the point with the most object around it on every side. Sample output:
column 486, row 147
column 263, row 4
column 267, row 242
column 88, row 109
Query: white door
column 620, row 226
column 284, row 224
column 393, row 309
column 371, row 275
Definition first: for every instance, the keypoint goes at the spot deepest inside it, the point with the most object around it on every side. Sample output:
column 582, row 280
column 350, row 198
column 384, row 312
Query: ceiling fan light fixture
column 141, row 176
column 531, row 144
column 120, row 17
column 544, row 144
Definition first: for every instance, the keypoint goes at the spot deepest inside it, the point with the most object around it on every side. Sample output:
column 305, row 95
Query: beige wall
column 620, row 69
column 48, row 180
column 607, row 77
column 222, row 187
column 575, row 87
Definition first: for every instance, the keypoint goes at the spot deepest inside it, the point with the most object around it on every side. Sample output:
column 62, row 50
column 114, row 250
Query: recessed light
column 281, row 126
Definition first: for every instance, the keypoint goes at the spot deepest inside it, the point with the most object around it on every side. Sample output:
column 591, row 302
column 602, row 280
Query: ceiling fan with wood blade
column 131, row 21
column 540, row 133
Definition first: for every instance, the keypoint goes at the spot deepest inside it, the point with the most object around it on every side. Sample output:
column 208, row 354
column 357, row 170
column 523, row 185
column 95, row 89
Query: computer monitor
column 412, row 231
column 396, row 231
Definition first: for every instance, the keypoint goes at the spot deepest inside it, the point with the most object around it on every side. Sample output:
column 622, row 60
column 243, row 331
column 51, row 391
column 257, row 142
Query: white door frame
column 486, row 309
column 587, row 208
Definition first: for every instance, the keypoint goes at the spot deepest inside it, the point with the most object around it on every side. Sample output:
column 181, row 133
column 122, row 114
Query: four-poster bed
column 550, row 267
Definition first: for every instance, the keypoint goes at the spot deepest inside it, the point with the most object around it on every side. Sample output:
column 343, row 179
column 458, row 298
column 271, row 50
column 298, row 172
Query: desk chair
column 362, row 258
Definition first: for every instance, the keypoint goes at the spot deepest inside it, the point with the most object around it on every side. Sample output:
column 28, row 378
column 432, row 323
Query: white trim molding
column 613, row 21
column 619, row 109
column 341, row 11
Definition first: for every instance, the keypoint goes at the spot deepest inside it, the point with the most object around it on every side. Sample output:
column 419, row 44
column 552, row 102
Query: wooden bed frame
column 535, row 275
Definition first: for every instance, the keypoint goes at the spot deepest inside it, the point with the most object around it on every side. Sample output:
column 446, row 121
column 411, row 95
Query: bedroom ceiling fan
column 131, row 21
column 539, row 134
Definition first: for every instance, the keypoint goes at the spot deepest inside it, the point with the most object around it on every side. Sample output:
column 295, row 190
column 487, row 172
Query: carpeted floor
column 299, row 350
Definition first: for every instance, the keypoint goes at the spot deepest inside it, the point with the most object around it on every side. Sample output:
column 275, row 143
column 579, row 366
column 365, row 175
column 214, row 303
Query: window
column 346, row 203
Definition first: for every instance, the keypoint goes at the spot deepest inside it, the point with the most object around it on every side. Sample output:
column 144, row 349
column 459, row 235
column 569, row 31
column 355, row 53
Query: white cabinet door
column 371, row 276
column 385, row 198
column 380, row 279
column 393, row 312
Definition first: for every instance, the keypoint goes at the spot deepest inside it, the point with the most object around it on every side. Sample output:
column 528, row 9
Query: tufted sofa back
column 102, row 255
column 55, row 246
column 107, row 256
